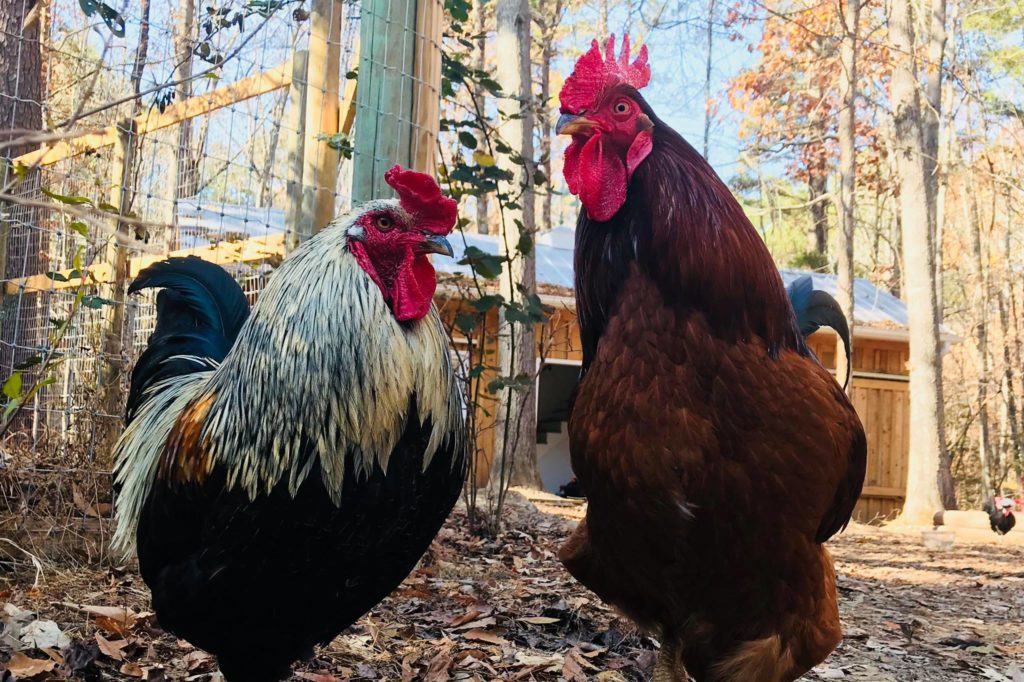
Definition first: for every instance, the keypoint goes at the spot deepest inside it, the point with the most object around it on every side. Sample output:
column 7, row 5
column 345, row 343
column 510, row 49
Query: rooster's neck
column 682, row 227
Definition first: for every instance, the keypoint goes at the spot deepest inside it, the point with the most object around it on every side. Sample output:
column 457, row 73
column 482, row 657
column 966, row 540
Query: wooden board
column 245, row 251
column 384, row 110
column 153, row 120
column 319, row 160
column 427, row 92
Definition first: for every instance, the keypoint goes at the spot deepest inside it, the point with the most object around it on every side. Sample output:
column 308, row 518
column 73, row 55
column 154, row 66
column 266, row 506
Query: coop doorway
column 555, row 384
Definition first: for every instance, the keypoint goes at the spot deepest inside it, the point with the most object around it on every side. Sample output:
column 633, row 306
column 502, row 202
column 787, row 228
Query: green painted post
column 384, row 96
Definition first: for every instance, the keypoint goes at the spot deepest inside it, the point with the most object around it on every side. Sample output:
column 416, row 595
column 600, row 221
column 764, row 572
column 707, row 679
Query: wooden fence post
column 427, row 101
column 399, row 91
column 323, row 81
column 122, row 170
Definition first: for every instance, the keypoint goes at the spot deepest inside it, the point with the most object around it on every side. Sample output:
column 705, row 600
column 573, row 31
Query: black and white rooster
column 283, row 470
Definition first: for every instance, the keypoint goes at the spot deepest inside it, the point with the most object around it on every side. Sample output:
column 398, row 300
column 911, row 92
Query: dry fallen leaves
column 317, row 677
column 504, row 608
column 112, row 649
column 133, row 669
column 44, row 634
column 115, row 620
column 479, row 635
column 21, row 665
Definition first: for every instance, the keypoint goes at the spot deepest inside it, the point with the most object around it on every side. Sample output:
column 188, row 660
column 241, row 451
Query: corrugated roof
column 873, row 307
column 208, row 222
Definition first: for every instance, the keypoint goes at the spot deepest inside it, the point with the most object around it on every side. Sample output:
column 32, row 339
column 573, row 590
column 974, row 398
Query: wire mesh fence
column 171, row 128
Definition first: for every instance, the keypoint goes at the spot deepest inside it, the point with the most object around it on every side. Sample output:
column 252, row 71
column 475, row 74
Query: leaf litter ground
column 504, row 609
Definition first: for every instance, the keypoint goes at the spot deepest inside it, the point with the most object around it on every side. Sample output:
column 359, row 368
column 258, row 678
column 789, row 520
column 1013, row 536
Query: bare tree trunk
column 935, row 171
column 896, row 239
column 185, row 167
column 21, row 91
column 602, row 19
column 1002, row 467
column 896, row 224
column 927, row 427
column 707, row 77
column 933, row 25
column 483, row 201
column 267, row 181
column 550, row 23
column 21, row 98
column 517, row 422
column 979, row 306
column 1005, row 304
column 138, row 66
column 141, row 54
column 848, row 177
column 817, row 185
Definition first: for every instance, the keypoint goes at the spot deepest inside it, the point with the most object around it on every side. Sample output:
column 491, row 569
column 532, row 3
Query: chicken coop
column 228, row 131
column 880, row 374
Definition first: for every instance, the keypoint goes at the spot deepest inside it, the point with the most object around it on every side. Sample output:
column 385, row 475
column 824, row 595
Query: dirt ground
column 505, row 610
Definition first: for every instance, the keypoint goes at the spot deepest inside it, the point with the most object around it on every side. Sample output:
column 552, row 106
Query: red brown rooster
column 284, row 470
column 717, row 454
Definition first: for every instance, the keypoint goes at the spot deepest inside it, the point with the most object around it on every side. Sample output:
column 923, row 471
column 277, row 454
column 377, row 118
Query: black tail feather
column 815, row 309
column 199, row 313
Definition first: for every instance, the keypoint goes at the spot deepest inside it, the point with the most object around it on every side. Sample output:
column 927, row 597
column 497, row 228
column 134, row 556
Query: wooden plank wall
column 561, row 336
column 869, row 355
column 884, row 409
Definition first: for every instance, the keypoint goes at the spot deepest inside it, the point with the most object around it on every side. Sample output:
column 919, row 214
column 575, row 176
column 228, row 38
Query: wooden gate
column 884, row 408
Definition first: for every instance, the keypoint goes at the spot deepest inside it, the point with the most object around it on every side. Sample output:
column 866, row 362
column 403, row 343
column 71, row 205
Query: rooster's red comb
column 593, row 74
column 420, row 196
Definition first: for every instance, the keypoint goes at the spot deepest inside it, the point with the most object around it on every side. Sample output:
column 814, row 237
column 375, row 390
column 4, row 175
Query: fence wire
column 206, row 182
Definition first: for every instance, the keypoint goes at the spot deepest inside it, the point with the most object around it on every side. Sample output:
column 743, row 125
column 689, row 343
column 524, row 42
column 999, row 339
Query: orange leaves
column 479, row 635
column 790, row 98
column 114, row 650
column 115, row 620
column 21, row 666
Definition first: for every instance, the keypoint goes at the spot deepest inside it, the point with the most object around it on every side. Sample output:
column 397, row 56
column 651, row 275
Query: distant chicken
column 1000, row 516
column 284, row 470
column 716, row 453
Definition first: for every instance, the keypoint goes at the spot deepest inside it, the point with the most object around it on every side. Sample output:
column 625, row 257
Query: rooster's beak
column 437, row 244
column 572, row 124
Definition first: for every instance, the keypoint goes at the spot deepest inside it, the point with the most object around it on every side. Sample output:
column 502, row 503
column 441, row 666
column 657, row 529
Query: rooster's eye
column 622, row 107
column 383, row 223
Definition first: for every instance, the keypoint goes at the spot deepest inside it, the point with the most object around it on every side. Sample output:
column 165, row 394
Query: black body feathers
column 260, row 583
